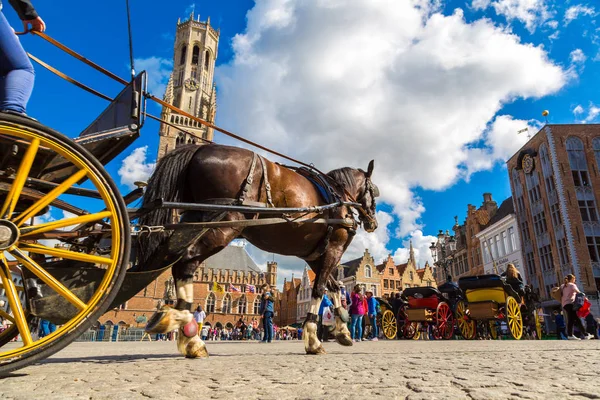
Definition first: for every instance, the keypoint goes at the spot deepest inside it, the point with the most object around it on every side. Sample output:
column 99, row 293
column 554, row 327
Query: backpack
column 556, row 293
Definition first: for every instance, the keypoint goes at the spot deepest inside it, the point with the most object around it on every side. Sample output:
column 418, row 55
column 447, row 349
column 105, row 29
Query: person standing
column 357, row 310
column 16, row 71
column 561, row 327
column 372, row 304
column 322, row 330
column 569, row 290
column 267, row 311
column 199, row 316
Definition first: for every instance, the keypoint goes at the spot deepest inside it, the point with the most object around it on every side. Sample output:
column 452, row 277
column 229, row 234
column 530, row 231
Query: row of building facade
column 549, row 227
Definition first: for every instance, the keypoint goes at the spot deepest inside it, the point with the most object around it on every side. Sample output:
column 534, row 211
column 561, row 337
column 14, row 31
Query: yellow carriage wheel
column 493, row 329
column 389, row 324
column 538, row 325
column 465, row 324
column 514, row 317
column 59, row 211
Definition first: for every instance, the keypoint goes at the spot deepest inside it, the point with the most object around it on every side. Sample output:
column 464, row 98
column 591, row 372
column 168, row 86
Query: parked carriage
column 427, row 309
column 490, row 301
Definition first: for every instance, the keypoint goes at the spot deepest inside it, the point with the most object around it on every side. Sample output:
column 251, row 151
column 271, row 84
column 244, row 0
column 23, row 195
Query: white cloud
column 376, row 242
column 158, row 73
column 592, row 113
column 135, row 167
column 552, row 24
column 532, row 13
column 578, row 110
column 574, row 12
column 412, row 94
column 577, row 56
column 420, row 244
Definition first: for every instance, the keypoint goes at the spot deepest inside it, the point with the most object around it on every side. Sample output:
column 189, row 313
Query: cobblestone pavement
column 281, row 370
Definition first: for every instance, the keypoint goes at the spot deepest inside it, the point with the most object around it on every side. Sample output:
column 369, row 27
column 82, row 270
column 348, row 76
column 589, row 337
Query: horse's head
column 357, row 183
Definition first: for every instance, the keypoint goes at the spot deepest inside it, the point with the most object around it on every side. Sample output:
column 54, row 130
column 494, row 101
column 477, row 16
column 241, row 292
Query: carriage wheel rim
column 19, row 249
column 388, row 321
column 514, row 318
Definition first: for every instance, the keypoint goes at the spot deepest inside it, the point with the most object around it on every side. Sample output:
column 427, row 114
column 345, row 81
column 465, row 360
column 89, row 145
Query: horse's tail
column 167, row 183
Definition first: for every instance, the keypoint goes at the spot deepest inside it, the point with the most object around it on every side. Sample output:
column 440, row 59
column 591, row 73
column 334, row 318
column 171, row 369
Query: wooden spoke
column 14, row 302
column 7, row 316
column 49, row 226
column 15, row 191
column 51, row 196
column 47, row 278
column 71, row 255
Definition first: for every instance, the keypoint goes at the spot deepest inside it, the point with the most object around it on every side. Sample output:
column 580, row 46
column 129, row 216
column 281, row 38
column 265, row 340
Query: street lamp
column 442, row 250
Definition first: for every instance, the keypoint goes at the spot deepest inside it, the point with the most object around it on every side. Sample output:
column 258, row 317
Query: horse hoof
column 344, row 340
column 318, row 350
column 198, row 352
column 159, row 322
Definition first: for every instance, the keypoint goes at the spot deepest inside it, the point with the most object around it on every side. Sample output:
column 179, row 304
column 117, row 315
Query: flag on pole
column 217, row 288
column 232, row 288
column 250, row 289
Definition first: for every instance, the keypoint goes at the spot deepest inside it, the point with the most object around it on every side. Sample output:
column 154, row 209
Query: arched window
column 195, row 55
column 367, row 271
column 578, row 162
column 210, row 303
column 190, row 104
column 206, row 59
column 226, row 308
column 256, row 307
column 172, row 119
column 242, row 303
column 182, row 57
column 596, row 147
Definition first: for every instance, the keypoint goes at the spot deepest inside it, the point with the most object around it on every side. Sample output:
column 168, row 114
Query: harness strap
column 249, row 179
column 267, row 184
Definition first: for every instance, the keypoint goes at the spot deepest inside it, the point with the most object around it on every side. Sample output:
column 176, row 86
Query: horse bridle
column 372, row 191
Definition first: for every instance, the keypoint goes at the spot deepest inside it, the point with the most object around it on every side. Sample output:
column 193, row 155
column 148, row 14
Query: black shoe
column 20, row 114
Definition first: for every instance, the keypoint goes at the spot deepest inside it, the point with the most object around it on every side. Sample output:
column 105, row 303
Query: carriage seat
column 419, row 297
column 487, row 281
column 450, row 290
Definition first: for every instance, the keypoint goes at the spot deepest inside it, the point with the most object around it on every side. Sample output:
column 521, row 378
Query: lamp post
column 442, row 251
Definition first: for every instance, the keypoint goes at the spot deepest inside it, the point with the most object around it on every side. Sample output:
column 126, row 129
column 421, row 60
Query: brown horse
column 201, row 174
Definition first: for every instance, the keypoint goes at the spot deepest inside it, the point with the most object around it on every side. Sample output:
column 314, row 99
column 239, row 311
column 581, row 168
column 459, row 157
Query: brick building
column 232, row 268
column 288, row 302
column 360, row 271
column 556, row 188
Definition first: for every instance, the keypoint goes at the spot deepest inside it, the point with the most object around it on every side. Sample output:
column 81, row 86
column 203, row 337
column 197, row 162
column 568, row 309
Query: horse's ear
column 370, row 169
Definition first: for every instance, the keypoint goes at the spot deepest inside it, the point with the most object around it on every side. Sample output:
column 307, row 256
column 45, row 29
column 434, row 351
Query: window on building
column 392, row 284
column 385, row 284
column 525, row 231
column 367, row 271
column 504, row 244
column 210, row 303
column 410, row 274
column 391, row 271
column 539, row 224
column 195, row 55
column 498, row 245
column 206, row 59
column 550, row 186
column 374, row 290
column 546, row 258
column 577, row 161
column 513, row 239
column 587, row 208
column 593, row 243
column 398, row 285
column 596, row 147
column 555, row 214
column 242, row 304
column 182, row 56
column 563, row 255
column 256, row 307
column 190, row 104
column 530, row 261
column 194, row 73
column 406, row 286
column 226, row 308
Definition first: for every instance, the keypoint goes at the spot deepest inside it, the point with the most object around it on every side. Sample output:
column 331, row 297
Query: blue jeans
column 268, row 326
column 375, row 332
column 356, row 325
column 16, row 71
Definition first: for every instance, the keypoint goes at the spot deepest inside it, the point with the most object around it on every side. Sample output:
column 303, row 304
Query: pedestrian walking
column 373, row 305
column 199, row 316
column 357, row 309
column 561, row 327
column 267, row 310
column 345, row 296
column 323, row 330
column 569, row 290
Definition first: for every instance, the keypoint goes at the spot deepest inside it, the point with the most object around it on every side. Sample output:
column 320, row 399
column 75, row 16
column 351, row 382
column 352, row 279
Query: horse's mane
column 343, row 177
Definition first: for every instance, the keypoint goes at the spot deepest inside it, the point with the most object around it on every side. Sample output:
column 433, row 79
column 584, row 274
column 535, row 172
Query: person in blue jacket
column 372, row 304
column 322, row 330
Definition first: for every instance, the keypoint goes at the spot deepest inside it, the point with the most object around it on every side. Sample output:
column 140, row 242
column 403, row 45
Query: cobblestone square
column 281, row 370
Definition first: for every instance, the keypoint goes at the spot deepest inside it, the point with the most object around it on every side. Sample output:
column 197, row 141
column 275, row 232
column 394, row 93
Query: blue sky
column 433, row 90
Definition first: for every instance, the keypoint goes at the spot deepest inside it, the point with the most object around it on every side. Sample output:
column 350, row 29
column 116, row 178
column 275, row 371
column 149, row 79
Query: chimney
column 487, row 198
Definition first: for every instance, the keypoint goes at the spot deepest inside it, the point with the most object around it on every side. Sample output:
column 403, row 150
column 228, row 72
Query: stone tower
column 271, row 276
column 190, row 86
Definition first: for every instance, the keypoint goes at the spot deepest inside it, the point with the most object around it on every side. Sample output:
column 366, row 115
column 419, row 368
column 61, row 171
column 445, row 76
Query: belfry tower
column 190, row 86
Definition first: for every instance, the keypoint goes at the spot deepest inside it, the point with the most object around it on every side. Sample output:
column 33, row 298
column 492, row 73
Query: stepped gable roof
column 234, row 258
column 482, row 217
column 380, row 267
column 401, row 268
column 421, row 272
column 311, row 275
column 350, row 267
column 296, row 282
column 506, row 208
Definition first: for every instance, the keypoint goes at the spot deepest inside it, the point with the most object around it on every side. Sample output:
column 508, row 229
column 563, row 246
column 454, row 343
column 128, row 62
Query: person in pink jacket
column 357, row 310
column 569, row 290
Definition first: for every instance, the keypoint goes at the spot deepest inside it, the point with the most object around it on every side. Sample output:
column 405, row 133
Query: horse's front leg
column 340, row 331
column 312, row 344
